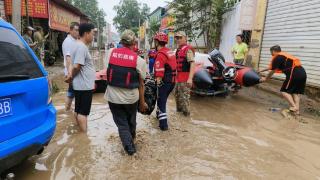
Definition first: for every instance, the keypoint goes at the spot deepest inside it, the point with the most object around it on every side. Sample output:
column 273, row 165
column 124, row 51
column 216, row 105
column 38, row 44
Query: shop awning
column 62, row 14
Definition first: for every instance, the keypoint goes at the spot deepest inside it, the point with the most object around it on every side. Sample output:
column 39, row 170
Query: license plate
column 5, row 107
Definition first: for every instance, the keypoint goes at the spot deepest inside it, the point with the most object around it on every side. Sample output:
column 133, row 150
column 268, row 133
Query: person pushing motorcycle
column 296, row 77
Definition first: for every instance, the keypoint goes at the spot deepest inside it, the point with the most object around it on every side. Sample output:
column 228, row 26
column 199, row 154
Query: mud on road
column 225, row 138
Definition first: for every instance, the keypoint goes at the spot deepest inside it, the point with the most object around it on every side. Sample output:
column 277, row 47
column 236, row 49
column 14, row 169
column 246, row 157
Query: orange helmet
column 161, row 37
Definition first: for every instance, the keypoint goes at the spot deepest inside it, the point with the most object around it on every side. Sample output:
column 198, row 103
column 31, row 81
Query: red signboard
column 167, row 23
column 36, row 8
column 60, row 19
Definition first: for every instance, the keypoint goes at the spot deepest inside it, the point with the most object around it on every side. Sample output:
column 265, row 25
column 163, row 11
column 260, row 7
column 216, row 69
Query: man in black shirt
column 296, row 76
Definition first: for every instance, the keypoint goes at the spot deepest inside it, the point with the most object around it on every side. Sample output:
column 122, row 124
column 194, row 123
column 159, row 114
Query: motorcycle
column 217, row 78
column 221, row 78
column 49, row 58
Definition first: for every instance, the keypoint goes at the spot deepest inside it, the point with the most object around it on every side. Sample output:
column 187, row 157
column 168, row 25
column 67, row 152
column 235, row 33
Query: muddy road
column 225, row 138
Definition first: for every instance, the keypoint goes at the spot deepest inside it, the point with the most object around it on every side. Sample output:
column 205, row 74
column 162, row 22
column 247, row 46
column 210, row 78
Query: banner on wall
column 171, row 40
column 142, row 32
column 59, row 18
column 36, row 8
column 167, row 23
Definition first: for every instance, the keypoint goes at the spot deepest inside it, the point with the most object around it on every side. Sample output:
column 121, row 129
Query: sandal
column 294, row 111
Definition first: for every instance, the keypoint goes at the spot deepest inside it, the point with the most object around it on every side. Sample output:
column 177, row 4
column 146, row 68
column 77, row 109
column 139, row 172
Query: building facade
column 294, row 25
column 156, row 15
column 239, row 18
column 52, row 16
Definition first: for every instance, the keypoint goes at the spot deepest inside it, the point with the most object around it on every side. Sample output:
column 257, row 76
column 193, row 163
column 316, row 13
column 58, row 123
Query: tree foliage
column 182, row 15
column 199, row 18
column 154, row 28
column 129, row 12
column 91, row 9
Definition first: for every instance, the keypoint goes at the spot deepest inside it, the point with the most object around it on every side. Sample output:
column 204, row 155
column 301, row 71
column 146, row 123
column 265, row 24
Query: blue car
column 27, row 115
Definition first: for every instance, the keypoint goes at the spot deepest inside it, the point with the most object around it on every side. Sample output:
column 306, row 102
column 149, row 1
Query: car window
column 15, row 58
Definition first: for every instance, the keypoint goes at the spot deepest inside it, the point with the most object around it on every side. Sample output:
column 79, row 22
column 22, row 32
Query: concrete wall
column 257, row 33
column 230, row 28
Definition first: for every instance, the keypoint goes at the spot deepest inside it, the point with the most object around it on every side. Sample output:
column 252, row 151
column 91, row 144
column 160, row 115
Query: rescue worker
column 126, row 72
column 185, row 72
column 296, row 76
column 165, row 74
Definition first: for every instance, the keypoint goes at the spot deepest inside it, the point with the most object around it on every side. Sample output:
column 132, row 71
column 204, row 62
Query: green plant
column 129, row 14
column 154, row 28
column 55, row 88
column 199, row 18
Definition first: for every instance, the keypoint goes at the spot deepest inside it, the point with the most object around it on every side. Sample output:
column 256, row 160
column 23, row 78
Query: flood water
column 225, row 138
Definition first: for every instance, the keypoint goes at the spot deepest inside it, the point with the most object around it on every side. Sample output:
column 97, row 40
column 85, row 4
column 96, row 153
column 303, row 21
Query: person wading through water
column 185, row 72
column 165, row 75
column 83, row 75
column 126, row 72
column 68, row 46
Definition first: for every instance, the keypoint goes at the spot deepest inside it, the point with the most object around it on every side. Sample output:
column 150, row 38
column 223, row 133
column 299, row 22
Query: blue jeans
column 70, row 92
column 151, row 64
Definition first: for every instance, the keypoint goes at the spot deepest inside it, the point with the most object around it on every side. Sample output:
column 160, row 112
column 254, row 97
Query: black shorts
column 83, row 100
column 297, row 83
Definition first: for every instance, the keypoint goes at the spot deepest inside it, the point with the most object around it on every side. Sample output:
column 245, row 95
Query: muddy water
column 225, row 138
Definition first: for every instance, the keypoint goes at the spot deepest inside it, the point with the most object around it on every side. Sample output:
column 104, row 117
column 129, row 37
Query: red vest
column 183, row 66
column 168, row 70
column 121, row 70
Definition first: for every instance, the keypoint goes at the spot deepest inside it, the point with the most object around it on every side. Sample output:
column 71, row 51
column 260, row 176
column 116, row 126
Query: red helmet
column 162, row 37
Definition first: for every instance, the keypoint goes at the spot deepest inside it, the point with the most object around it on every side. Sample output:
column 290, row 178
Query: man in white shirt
column 68, row 46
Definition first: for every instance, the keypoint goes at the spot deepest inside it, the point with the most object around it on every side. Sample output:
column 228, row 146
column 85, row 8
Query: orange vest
column 295, row 61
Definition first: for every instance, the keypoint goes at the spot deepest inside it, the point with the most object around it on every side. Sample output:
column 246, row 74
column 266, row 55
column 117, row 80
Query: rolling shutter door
column 295, row 26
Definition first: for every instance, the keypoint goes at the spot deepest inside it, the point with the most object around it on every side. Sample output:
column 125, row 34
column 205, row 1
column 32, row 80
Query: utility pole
column 27, row 12
column 98, row 39
column 146, row 38
column 16, row 14
column 139, row 35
